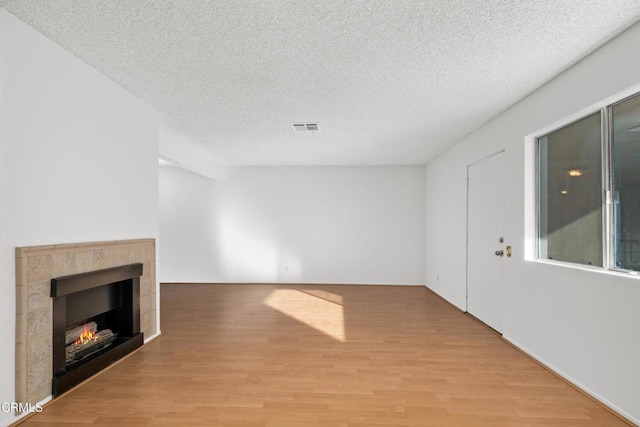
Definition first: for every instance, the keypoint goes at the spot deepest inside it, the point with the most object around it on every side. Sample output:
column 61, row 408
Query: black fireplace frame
column 120, row 287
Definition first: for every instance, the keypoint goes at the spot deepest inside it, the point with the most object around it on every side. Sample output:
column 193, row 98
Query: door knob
column 500, row 253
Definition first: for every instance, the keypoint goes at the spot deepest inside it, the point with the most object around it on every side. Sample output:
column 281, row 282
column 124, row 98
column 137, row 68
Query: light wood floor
column 262, row 355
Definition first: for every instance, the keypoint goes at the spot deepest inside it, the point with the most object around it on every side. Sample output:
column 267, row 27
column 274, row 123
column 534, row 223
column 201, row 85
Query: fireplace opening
column 96, row 321
column 85, row 341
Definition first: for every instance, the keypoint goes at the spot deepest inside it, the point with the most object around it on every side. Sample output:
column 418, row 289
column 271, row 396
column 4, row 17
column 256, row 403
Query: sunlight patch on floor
column 329, row 296
column 316, row 309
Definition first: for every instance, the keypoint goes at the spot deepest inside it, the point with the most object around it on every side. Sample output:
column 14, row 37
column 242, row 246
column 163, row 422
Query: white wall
column 584, row 324
column 78, row 162
column 294, row 224
column 187, row 227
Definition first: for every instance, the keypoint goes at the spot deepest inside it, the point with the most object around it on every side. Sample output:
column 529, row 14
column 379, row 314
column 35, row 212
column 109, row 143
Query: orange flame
column 86, row 335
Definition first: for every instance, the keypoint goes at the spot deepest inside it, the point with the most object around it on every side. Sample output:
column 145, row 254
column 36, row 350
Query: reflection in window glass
column 626, row 183
column 570, row 193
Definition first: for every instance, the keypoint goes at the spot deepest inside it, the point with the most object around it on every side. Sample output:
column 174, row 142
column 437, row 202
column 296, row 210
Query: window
column 588, row 189
column 625, row 140
column 570, row 208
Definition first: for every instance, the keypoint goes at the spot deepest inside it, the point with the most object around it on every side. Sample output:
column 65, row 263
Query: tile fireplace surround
column 35, row 267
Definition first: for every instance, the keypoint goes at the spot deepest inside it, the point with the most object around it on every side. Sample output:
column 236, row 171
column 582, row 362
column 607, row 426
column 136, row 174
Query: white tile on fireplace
column 21, row 268
column 110, row 257
column 21, row 299
column 145, row 305
column 122, row 256
column 39, row 348
column 21, row 328
column 21, row 384
column 21, row 356
column 149, row 252
column 39, row 375
column 135, row 254
column 63, row 264
column 146, row 286
column 148, row 323
column 84, row 261
column 38, row 295
column 41, row 393
column 152, row 267
column 38, row 321
column 99, row 261
column 38, row 268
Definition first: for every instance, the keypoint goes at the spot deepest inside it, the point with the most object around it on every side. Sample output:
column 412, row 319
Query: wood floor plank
column 322, row 355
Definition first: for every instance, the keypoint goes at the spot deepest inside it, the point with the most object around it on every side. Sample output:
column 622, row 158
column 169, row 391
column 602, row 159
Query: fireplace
column 35, row 267
column 96, row 321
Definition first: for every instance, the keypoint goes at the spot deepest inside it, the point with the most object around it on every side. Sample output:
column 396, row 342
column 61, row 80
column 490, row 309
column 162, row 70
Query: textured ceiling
column 390, row 82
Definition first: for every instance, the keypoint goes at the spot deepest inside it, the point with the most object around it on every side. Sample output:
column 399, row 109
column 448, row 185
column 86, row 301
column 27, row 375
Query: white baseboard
column 152, row 337
column 293, row 283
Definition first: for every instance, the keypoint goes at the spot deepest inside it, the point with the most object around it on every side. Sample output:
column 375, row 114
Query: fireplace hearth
column 96, row 321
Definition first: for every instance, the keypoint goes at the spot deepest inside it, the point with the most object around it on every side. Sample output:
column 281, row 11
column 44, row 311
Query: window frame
column 533, row 181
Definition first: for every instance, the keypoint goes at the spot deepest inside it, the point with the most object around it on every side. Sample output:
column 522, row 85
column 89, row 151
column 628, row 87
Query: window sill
column 589, row 268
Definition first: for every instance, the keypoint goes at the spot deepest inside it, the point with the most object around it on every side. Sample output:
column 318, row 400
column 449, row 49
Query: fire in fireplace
column 96, row 321
column 85, row 341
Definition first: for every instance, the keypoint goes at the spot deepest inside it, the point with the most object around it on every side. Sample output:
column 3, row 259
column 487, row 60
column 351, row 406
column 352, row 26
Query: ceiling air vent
column 305, row 127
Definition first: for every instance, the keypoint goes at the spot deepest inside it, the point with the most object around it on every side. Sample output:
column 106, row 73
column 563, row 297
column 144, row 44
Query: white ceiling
column 391, row 82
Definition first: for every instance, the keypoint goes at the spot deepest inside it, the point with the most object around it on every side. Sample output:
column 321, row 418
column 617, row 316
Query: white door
column 485, row 240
